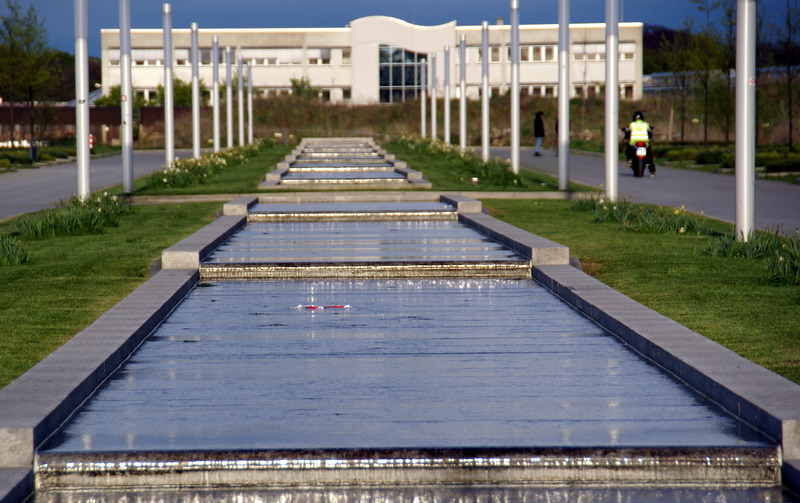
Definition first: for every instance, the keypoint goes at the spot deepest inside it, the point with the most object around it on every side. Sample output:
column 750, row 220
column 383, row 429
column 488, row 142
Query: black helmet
column 638, row 115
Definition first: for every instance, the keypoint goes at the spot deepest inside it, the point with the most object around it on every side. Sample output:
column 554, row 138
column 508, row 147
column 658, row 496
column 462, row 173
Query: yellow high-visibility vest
column 639, row 132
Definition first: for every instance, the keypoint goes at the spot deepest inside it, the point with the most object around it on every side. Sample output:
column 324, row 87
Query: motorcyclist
column 639, row 130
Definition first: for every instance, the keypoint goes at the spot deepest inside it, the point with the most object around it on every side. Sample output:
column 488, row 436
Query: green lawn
column 726, row 299
column 70, row 281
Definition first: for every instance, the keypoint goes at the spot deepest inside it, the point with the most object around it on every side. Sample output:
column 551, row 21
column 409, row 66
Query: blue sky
column 58, row 16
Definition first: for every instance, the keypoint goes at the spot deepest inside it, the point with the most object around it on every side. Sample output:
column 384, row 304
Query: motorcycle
column 639, row 163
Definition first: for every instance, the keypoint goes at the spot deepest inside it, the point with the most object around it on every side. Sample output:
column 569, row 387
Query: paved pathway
column 777, row 203
column 29, row 190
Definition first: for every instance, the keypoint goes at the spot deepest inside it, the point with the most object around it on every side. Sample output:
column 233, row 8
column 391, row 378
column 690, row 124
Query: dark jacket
column 538, row 126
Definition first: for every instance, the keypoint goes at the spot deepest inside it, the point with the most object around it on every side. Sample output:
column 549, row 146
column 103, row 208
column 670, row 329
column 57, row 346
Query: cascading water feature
column 387, row 363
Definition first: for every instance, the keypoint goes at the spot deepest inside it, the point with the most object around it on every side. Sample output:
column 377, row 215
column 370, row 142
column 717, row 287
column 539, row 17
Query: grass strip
column 67, row 282
column 728, row 299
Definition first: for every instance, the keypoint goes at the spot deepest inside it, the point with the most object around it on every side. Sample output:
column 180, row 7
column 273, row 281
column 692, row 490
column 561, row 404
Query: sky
column 58, row 15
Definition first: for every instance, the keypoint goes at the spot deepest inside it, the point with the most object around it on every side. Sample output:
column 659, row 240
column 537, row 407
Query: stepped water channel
column 398, row 351
column 325, row 163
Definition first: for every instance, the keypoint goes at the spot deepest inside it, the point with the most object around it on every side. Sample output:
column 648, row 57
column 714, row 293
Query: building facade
column 377, row 59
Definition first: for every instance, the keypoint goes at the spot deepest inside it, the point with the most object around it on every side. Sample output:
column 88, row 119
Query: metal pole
column 485, row 90
column 515, row 86
column 229, row 95
column 126, row 92
column 423, row 80
column 249, row 103
column 745, row 118
column 612, row 98
column 462, row 102
column 169, row 97
column 195, row 93
column 215, row 90
column 82, row 96
column 447, row 94
column 563, row 95
column 240, row 97
column 433, row 96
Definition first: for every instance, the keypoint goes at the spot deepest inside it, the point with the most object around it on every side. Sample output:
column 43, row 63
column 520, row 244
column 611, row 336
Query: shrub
column 17, row 156
column 728, row 161
column 683, row 154
column 12, row 251
column 709, row 156
column 782, row 165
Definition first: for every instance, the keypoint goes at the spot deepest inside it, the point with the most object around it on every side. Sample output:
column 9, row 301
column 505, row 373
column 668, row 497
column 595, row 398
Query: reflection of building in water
column 377, row 59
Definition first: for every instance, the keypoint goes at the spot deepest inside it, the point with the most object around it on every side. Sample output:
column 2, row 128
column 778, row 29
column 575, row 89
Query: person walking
column 538, row 133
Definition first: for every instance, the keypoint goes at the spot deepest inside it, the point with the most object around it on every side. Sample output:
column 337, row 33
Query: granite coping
column 759, row 397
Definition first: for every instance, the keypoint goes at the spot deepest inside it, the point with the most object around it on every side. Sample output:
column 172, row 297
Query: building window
column 525, row 53
column 275, row 56
column 346, row 94
column 495, row 52
column 628, row 92
column 589, row 52
column 319, row 56
column 549, row 91
column 345, row 56
column 549, row 53
column 398, row 73
column 627, row 50
column 181, row 56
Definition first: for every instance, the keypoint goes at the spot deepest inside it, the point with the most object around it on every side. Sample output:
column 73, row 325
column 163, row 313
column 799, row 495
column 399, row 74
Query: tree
column 181, row 94
column 302, row 89
column 728, row 62
column 678, row 53
column 114, row 99
column 705, row 56
column 25, row 61
column 789, row 42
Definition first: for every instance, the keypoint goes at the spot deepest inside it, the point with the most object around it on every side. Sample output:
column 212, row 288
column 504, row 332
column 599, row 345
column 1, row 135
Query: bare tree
column 789, row 41
column 706, row 55
column 728, row 61
column 678, row 52
column 25, row 62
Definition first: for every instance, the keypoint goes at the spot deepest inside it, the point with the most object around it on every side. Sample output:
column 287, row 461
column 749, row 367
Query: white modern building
column 377, row 59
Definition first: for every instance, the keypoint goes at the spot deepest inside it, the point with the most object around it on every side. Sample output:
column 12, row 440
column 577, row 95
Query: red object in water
column 312, row 307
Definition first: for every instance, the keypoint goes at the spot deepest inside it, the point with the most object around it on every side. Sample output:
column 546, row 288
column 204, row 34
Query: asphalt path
column 29, row 190
column 712, row 194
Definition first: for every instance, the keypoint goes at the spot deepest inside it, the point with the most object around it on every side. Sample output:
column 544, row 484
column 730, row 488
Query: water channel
column 424, row 365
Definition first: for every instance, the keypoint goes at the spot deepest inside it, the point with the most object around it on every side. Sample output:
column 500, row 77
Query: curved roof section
column 400, row 22
column 385, row 29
